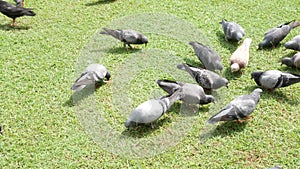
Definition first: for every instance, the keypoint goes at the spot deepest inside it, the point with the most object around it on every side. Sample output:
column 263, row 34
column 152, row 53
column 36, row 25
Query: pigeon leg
column 13, row 22
column 130, row 47
column 240, row 121
column 240, row 71
column 22, row 3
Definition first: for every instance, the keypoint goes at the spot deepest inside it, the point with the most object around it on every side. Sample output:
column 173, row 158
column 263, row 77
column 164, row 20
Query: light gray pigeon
column 238, row 109
column 274, row 36
column 151, row 110
column 192, row 93
column 128, row 37
column 276, row 167
column 210, row 59
column 293, row 61
column 273, row 79
column 205, row 78
column 293, row 44
column 232, row 31
column 93, row 74
column 19, row 3
column 240, row 57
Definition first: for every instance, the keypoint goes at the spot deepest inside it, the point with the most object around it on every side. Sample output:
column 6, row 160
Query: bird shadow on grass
column 192, row 62
column 76, row 97
column 224, row 129
column 231, row 75
column 231, row 46
column 278, row 94
column 99, row 2
column 8, row 27
column 143, row 130
column 121, row 50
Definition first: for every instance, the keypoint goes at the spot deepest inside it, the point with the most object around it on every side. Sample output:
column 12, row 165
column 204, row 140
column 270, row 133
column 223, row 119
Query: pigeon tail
column 29, row 12
column 177, row 95
column 168, row 85
column 114, row 33
column 290, row 80
column 294, row 24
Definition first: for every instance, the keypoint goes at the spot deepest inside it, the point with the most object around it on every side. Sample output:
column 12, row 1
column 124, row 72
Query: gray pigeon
column 240, row 57
column 293, row 44
column 128, row 37
column 94, row 73
column 274, row 36
column 205, row 78
column 273, row 79
column 19, row 3
column 238, row 109
column 232, row 31
column 210, row 59
column 151, row 110
column 192, row 93
column 276, row 167
column 293, row 61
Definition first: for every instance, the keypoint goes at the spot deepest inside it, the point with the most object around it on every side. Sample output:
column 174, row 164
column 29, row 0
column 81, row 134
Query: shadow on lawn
column 99, row 2
column 76, row 97
column 231, row 46
column 224, row 129
column 121, row 50
column 8, row 27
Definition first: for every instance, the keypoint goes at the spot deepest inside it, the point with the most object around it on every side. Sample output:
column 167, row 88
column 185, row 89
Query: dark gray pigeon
column 151, row 110
column 293, row 44
column 232, row 31
column 273, row 79
column 293, row 61
column 210, row 59
column 14, row 12
column 238, row 109
column 128, row 37
column 93, row 74
column 274, row 36
column 192, row 93
column 19, row 3
column 205, row 78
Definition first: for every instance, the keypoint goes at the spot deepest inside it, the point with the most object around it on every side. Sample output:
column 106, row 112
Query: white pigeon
column 240, row 57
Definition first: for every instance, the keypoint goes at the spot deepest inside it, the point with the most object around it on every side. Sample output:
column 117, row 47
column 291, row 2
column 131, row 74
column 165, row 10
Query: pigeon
column 128, row 37
column 192, row 93
column 232, row 31
column 293, row 61
column 210, row 59
column 94, row 73
column 151, row 110
column 276, row 167
column 273, row 79
column 14, row 12
column 293, row 44
column 19, row 3
column 238, row 109
column 205, row 78
column 274, row 36
column 240, row 57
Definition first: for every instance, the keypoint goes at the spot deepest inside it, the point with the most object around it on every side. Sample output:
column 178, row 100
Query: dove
column 210, row 59
column 293, row 61
column 293, row 44
column 273, row 79
column 14, row 12
column 238, row 109
column 94, row 73
column 151, row 110
column 232, row 31
column 274, row 36
column 128, row 37
column 240, row 57
column 19, row 3
column 192, row 93
column 205, row 78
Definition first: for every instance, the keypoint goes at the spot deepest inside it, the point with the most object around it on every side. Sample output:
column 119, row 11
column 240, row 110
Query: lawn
column 46, row 125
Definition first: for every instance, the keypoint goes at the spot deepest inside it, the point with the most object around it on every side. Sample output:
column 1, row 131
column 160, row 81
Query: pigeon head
column 208, row 99
column 256, row 75
column 130, row 123
column 224, row 82
column 261, row 45
column 144, row 40
column 237, row 35
column 219, row 66
column 291, row 45
column 258, row 90
column 287, row 61
column 235, row 67
column 107, row 76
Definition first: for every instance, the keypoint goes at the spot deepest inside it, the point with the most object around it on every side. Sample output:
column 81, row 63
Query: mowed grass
column 39, row 63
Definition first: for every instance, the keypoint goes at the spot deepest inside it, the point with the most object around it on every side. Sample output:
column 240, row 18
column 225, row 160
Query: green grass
column 42, row 56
